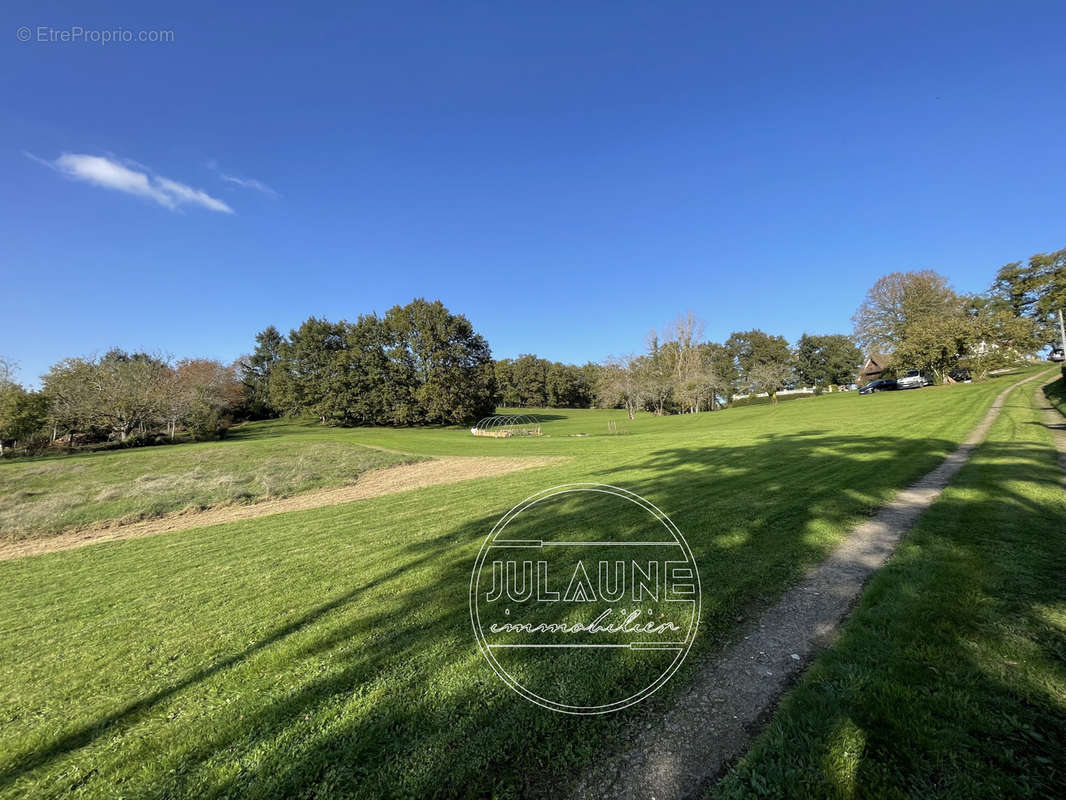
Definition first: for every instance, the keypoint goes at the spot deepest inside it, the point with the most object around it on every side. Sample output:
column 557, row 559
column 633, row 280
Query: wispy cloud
column 244, row 183
column 110, row 174
column 186, row 194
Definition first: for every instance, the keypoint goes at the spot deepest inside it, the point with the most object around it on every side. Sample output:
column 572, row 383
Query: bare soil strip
column 388, row 480
column 678, row 753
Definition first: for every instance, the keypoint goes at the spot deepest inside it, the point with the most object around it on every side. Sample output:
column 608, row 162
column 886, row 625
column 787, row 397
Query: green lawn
column 42, row 496
column 329, row 652
column 950, row 678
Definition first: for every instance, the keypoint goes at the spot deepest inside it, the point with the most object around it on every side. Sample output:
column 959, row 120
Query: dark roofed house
column 874, row 368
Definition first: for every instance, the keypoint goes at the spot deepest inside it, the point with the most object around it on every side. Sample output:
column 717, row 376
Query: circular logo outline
column 479, row 562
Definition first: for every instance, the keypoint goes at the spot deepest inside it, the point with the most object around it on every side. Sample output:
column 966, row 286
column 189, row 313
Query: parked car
column 880, row 385
column 1057, row 354
column 960, row 375
column 913, row 379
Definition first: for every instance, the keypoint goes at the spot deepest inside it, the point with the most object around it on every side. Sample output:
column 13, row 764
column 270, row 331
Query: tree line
column 914, row 318
column 679, row 372
column 124, row 397
column 532, row 382
column 417, row 364
column 421, row 364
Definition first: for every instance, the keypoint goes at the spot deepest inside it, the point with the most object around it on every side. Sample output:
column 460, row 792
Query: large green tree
column 759, row 356
column 309, row 376
column 529, row 381
column 827, row 360
column 205, row 394
column 379, row 389
column 506, row 389
column 22, row 413
column 981, row 338
column 769, row 377
column 124, row 390
column 566, row 386
column 896, row 302
column 934, row 344
column 448, row 363
column 722, row 367
column 1036, row 289
column 122, row 393
column 530, row 377
column 255, row 371
column 418, row 364
column 72, row 399
column 998, row 338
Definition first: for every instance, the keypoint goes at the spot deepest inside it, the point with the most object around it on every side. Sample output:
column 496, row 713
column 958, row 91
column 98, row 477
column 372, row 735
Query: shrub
column 137, row 440
column 207, row 422
column 36, row 443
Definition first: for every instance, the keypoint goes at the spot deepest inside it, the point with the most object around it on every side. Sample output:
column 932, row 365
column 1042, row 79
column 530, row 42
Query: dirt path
column 712, row 722
column 389, row 480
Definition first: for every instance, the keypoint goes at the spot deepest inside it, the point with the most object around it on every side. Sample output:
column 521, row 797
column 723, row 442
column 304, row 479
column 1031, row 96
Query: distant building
column 874, row 368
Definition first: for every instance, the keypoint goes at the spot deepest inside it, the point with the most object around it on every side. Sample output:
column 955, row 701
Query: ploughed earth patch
column 387, row 480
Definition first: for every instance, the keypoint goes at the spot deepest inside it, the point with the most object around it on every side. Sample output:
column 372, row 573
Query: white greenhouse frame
column 504, row 425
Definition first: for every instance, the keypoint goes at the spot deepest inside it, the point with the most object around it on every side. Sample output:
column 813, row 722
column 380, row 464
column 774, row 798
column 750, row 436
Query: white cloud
column 245, row 183
column 110, row 174
column 251, row 183
column 186, row 194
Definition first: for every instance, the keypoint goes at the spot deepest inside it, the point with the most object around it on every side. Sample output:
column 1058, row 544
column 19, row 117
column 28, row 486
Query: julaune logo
column 585, row 598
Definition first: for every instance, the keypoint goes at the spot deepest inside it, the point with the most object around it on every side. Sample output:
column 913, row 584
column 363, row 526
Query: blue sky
column 568, row 175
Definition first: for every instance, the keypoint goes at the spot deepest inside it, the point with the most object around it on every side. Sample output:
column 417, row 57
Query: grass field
column 41, row 496
column 329, row 652
column 950, row 678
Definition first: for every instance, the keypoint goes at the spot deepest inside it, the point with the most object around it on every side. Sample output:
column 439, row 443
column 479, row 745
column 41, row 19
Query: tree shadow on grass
column 398, row 701
column 131, row 712
column 1056, row 392
column 946, row 681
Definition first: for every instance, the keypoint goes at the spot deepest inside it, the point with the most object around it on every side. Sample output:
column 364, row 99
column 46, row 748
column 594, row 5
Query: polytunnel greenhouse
column 505, row 425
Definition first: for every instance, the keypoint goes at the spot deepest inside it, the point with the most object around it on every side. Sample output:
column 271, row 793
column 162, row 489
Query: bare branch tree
column 620, row 384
